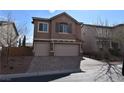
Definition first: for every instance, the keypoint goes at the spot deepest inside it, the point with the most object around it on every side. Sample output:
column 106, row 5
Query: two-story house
column 57, row 36
column 56, row 46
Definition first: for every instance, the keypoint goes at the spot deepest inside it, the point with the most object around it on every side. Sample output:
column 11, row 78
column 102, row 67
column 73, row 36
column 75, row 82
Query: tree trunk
column 123, row 67
column 7, row 55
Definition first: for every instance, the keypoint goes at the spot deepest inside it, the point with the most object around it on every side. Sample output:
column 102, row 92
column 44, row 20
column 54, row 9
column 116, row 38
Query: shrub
column 115, row 52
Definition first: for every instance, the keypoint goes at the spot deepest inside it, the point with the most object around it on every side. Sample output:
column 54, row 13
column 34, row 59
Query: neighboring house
column 118, row 32
column 57, row 36
column 8, row 34
column 97, row 38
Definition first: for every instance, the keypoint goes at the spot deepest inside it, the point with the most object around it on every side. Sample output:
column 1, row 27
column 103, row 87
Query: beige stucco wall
column 76, row 29
column 117, row 30
column 65, row 19
column 89, row 35
column 38, row 34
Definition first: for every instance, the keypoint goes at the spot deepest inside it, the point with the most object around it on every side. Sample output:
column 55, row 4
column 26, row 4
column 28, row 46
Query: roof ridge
column 51, row 18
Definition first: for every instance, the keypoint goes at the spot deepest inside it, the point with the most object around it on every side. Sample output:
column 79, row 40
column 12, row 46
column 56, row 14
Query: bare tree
column 9, row 37
column 6, row 31
column 103, row 36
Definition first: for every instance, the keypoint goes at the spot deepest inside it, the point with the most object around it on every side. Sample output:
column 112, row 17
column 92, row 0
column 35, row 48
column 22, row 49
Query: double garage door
column 42, row 49
column 66, row 50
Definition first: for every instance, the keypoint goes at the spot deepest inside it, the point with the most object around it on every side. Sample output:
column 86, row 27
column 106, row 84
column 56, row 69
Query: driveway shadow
column 44, row 78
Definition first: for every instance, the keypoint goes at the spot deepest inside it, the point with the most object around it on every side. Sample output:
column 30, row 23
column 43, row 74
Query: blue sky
column 85, row 16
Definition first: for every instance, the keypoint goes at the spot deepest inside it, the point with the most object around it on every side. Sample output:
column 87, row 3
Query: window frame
column 47, row 27
column 63, row 28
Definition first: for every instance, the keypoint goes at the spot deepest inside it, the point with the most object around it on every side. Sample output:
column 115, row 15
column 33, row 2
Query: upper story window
column 43, row 27
column 63, row 27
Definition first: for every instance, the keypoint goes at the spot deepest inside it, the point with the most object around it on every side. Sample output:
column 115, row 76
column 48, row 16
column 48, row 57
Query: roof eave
column 15, row 29
column 40, row 19
column 52, row 18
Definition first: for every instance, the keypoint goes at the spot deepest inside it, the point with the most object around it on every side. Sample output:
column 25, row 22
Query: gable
column 64, row 16
column 11, row 25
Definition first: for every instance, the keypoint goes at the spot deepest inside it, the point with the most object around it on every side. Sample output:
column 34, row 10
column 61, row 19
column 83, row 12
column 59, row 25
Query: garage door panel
column 41, row 49
column 66, row 50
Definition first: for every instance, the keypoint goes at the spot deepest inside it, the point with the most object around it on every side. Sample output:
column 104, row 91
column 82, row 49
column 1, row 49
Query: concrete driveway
column 91, row 69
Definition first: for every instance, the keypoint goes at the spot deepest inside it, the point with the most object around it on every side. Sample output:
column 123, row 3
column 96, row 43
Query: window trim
column 47, row 26
column 63, row 33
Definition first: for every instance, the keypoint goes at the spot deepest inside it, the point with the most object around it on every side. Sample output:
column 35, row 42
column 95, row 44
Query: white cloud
column 52, row 11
